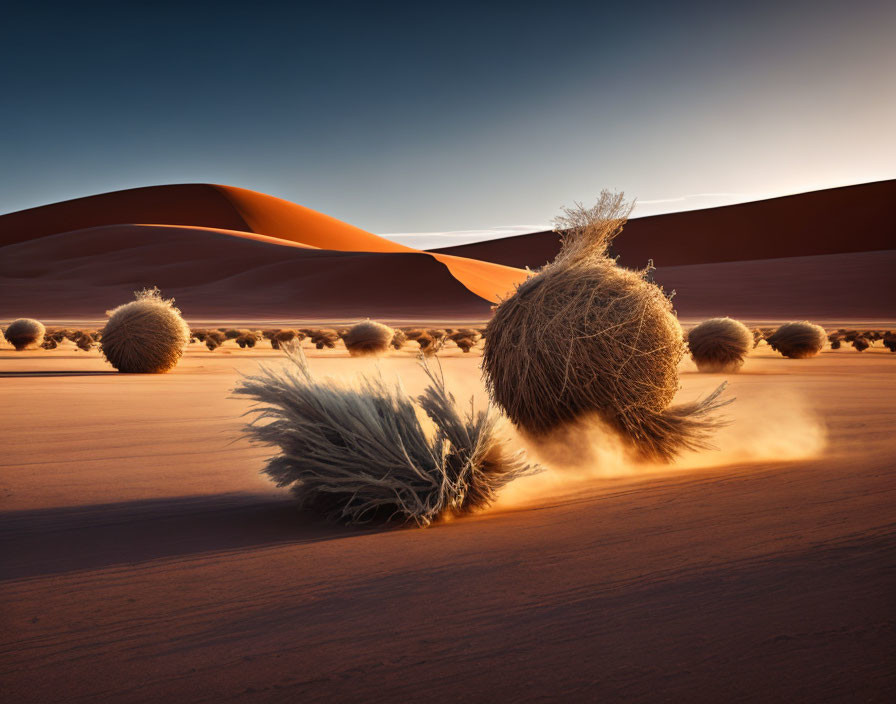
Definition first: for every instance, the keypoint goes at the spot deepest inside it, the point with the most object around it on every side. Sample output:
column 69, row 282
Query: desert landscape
column 745, row 556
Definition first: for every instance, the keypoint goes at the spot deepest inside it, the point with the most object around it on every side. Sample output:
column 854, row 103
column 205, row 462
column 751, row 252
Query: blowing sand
column 146, row 559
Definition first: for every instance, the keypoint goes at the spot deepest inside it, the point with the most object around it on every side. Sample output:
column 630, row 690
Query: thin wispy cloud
column 643, row 208
column 450, row 238
column 692, row 196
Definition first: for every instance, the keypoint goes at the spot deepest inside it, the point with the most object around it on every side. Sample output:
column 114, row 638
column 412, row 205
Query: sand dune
column 832, row 221
column 822, row 287
column 826, row 253
column 145, row 558
column 199, row 204
column 214, row 273
column 193, row 208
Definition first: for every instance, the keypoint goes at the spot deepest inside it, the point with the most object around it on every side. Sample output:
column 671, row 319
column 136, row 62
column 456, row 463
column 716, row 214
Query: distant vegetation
column 368, row 338
column 798, row 340
column 145, row 336
column 24, row 333
column 711, row 342
column 720, row 345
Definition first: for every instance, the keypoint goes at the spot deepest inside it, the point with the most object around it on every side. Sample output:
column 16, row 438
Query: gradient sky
column 422, row 117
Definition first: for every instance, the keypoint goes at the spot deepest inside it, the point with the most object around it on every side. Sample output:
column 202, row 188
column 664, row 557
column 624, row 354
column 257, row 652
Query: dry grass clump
column 586, row 337
column 757, row 337
column 362, row 454
column 429, row 345
column 247, row 340
column 465, row 338
column 214, row 339
column 285, row 335
column 798, row 340
column 861, row 343
column 24, row 332
column 49, row 343
column 324, row 338
column 398, row 339
column 145, row 336
column 889, row 340
column 720, row 345
column 368, row 338
column 85, row 342
column 438, row 334
column 465, row 343
column 472, row 333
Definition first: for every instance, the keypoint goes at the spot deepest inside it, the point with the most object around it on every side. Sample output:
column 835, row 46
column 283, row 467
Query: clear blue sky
column 428, row 117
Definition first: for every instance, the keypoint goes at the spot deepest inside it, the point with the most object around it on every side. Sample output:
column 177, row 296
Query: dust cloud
column 779, row 427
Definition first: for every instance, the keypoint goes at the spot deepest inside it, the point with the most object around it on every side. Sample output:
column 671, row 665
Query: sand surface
column 145, row 559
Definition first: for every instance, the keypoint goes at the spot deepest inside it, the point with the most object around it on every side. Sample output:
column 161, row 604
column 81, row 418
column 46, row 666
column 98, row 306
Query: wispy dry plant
column 362, row 454
column 24, row 332
column 584, row 336
column 720, row 345
column 146, row 336
column 798, row 340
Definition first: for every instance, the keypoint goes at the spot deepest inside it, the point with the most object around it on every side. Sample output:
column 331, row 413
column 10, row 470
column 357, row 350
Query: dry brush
column 362, row 454
column 584, row 336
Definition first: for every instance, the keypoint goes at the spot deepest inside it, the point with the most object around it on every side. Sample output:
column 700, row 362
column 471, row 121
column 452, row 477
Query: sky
column 443, row 122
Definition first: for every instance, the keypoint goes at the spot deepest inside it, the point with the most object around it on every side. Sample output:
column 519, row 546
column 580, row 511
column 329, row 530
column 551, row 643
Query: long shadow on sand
column 53, row 541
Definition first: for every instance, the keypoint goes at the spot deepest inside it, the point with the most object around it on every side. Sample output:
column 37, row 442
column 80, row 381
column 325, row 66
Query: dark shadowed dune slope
column 216, row 273
column 858, row 218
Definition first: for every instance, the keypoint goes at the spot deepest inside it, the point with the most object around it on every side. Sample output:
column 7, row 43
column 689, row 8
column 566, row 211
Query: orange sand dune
column 214, row 273
column 199, row 204
column 833, row 221
column 235, row 209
